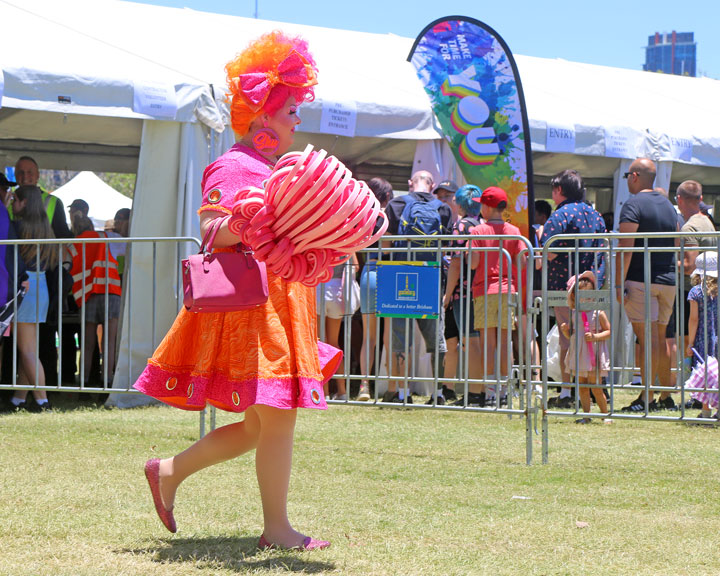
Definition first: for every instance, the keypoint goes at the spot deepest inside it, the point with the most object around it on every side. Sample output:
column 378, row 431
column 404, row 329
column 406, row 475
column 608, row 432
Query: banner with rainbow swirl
column 474, row 87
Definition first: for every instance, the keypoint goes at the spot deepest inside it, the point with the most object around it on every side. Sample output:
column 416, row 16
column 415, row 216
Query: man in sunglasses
column 648, row 210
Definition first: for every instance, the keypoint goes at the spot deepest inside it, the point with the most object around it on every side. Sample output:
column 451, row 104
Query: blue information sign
column 408, row 289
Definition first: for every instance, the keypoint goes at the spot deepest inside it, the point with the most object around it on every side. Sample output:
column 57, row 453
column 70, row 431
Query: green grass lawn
column 396, row 491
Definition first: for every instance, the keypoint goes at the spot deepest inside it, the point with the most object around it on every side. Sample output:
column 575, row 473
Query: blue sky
column 609, row 32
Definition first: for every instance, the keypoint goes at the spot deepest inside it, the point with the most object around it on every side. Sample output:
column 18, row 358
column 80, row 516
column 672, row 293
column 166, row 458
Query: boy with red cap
column 493, row 283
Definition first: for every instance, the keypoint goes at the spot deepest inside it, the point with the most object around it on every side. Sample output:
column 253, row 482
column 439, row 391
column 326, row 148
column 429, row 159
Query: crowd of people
column 429, row 209
column 466, row 331
column 491, row 294
column 52, row 283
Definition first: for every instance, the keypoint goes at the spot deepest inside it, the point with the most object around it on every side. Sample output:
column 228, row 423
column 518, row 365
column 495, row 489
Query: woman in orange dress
column 265, row 362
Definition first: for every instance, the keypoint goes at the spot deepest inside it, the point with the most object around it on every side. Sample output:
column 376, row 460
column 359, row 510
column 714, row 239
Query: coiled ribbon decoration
column 311, row 216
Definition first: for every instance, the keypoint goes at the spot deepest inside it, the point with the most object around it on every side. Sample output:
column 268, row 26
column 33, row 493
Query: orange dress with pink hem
column 267, row 355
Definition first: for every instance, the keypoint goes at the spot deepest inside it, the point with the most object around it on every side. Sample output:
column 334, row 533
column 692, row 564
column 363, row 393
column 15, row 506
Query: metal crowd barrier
column 148, row 288
column 172, row 249
column 622, row 370
column 518, row 381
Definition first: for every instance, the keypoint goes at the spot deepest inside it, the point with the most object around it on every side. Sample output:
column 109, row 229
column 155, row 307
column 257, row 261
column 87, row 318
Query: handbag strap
column 209, row 238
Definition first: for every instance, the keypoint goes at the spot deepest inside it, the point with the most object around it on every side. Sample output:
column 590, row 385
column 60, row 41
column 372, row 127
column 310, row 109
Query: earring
column 266, row 140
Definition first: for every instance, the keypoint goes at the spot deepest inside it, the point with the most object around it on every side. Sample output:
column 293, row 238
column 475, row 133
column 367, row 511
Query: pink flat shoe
column 308, row 544
column 152, row 473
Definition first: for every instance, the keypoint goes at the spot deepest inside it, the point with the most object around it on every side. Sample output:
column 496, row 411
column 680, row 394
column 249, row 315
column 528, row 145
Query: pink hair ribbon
column 255, row 87
column 591, row 349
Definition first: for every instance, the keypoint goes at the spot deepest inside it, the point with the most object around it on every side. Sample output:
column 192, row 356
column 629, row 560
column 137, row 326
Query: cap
column 492, row 196
column 587, row 275
column 5, row 183
column 448, row 185
column 79, row 204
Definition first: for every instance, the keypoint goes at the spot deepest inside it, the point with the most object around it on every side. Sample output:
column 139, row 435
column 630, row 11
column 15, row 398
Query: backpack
column 471, row 220
column 420, row 218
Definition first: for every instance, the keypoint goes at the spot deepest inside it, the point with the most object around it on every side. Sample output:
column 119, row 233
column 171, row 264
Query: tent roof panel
column 95, row 49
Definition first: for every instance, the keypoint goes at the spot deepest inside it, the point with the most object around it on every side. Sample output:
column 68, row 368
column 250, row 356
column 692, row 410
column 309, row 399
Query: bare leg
column 600, row 399
column 534, row 349
column 451, row 360
column 562, row 314
column 663, row 360
column 491, row 338
column 639, row 329
column 477, row 363
column 584, row 394
column 271, row 431
column 386, row 340
column 220, row 445
column 26, row 333
column 111, row 342
column 398, row 369
column 332, row 337
column 367, row 352
column 273, row 460
column 506, row 356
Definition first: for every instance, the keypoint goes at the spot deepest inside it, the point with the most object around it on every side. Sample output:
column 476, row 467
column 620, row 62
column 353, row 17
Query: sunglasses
column 627, row 174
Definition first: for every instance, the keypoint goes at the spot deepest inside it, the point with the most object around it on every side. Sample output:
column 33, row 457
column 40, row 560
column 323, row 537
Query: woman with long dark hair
column 32, row 224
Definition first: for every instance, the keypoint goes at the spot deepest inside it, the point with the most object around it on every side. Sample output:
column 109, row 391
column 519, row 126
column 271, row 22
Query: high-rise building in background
column 671, row 53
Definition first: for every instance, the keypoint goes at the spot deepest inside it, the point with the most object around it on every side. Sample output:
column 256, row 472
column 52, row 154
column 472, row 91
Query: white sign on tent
column 619, row 142
column 681, row 148
column 154, row 99
column 339, row 118
column 560, row 138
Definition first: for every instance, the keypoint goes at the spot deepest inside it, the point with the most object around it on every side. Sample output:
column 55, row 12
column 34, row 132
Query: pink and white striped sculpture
column 311, row 216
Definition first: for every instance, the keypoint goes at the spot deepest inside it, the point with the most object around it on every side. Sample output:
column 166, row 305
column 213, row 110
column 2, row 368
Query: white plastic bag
column 553, row 354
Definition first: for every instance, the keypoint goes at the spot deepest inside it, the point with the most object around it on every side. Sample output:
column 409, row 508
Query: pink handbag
column 223, row 281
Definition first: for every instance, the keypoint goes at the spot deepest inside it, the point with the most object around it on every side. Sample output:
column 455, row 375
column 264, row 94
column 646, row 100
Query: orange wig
column 263, row 56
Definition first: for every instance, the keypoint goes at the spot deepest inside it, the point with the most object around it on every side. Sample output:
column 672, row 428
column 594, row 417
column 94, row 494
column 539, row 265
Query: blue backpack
column 420, row 218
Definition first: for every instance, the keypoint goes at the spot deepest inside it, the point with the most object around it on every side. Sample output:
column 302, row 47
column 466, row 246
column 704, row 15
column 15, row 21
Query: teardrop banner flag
column 474, row 87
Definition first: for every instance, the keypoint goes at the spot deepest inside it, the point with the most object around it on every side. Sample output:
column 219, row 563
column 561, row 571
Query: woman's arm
column 452, row 280
column 605, row 325
column 565, row 329
column 622, row 260
column 224, row 236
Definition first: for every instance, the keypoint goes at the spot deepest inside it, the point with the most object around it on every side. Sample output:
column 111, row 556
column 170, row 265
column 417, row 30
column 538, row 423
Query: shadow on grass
column 238, row 554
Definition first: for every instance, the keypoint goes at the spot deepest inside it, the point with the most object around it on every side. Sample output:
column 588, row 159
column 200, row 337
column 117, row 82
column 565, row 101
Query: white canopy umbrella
column 104, row 201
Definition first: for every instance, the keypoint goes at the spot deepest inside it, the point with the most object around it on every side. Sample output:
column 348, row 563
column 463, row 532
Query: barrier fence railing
column 401, row 369
column 140, row 293
column 493, row 361
column 612, row 297
column 485, row 362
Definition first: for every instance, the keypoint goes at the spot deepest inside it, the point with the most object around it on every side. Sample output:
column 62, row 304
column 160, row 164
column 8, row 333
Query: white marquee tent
column 68, row 100
column 104, row 201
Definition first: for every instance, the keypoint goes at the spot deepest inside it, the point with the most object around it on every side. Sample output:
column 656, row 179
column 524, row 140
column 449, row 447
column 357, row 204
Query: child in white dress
column 587, row 358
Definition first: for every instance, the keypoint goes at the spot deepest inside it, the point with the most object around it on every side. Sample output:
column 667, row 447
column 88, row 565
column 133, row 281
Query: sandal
column 152, row 473
column 307, row 544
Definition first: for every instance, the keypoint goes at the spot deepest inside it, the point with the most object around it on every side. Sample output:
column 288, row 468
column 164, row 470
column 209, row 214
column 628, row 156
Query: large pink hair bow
column 255, row 87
